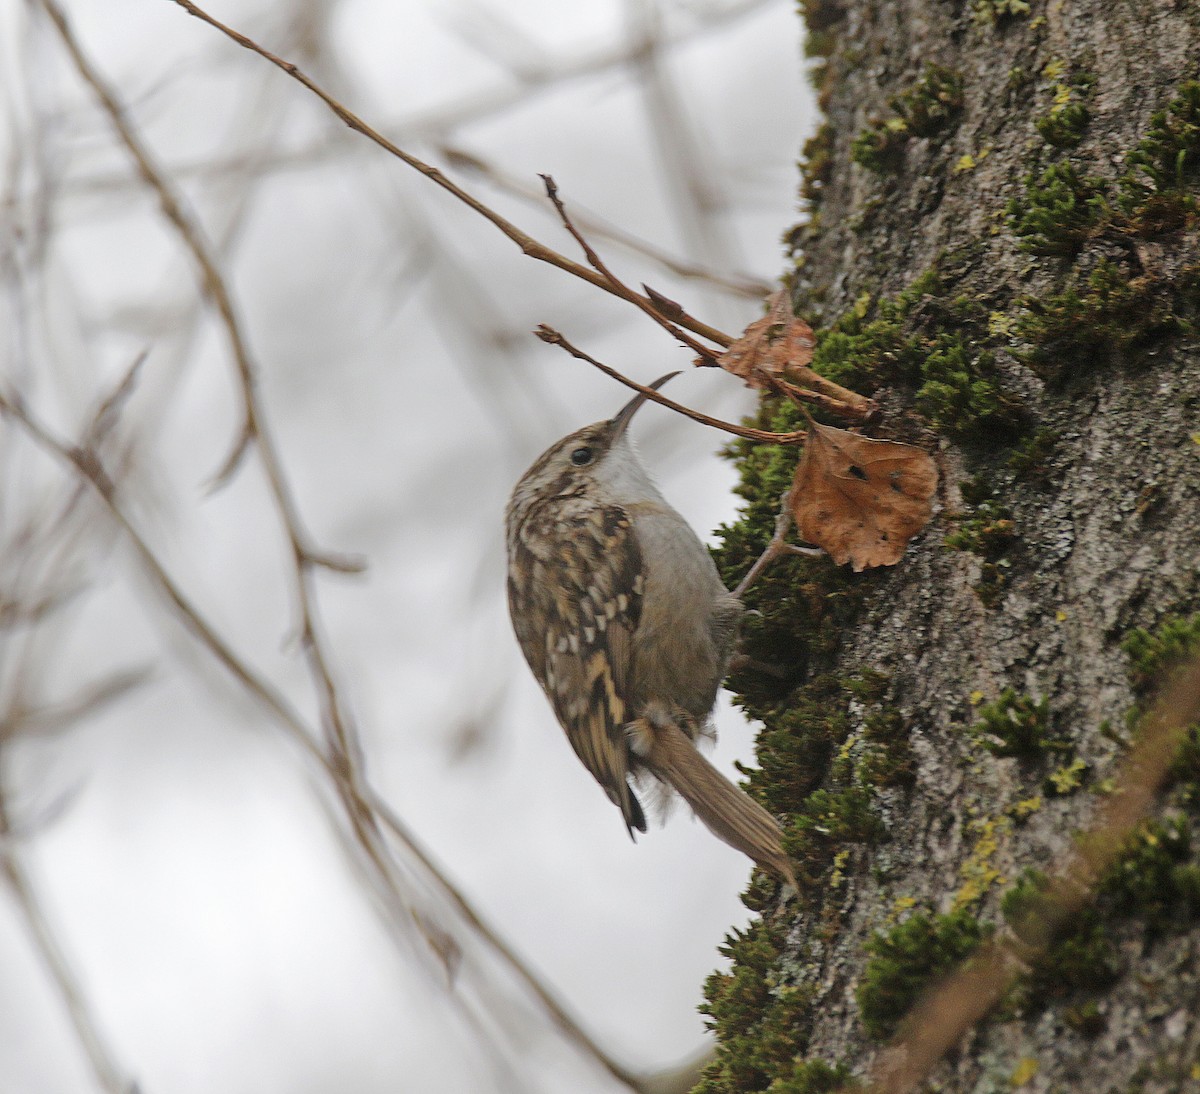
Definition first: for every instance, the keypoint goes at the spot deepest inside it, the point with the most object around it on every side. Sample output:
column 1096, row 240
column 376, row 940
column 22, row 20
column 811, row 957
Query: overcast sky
column 185, row 861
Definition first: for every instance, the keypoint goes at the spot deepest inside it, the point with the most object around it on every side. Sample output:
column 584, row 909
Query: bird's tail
column 729, row 813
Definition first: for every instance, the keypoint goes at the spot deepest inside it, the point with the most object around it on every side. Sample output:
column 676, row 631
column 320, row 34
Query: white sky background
column 185, row 863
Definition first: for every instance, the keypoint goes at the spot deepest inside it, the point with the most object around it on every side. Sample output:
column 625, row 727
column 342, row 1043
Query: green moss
column 1112, row 308
column 988, row 531
column 1112, row 314
column 1153, row 880
column 1063, row 127
column 1162, row 169
column 1064, row 124
column 884, row 343
column 761, row 1022
column 960, row 391
column 907, row 959
column 1081, row 957
column 888, row 759
column 1068, row 778
column 1153, row 656
column 1058, row 211
column 1085, row 1019
column 1086, row 959
column 798, row 741
column 996, row 12
column 1030, row 458
column 817, row 165
column 825, row 823
column 814, row 1077
column 868, row 346
column 1015, row 725
column 927, row 108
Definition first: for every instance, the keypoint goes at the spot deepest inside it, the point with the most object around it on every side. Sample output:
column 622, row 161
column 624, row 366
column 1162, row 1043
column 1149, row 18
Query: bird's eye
column 581, row 457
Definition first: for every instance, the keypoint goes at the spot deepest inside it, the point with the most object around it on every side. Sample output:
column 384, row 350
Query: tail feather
column 729, row 813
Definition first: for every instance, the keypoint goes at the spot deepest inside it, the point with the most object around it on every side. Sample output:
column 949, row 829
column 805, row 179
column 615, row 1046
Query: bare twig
column 555, row 338
column 837, row 400
column 939, row 1022
column 529, row 246
column 649, row 304
column 109, row 1074
column 776, row 547
column 365, row 801
column 739, row 283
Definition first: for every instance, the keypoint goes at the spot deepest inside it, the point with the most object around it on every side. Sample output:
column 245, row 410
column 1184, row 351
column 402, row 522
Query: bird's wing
column 575, row 611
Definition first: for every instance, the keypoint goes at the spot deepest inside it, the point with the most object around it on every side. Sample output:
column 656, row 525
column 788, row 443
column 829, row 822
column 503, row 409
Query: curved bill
column 623, row 417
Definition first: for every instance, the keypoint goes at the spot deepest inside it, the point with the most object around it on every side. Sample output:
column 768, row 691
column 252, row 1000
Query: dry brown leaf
column 770, row 345
column 860, row 499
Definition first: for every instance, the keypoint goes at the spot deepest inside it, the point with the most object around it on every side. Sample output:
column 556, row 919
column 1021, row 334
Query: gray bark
column 1105, row 538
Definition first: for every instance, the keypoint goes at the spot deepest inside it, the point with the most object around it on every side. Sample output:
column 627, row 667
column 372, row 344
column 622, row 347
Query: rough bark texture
column 1005, row 251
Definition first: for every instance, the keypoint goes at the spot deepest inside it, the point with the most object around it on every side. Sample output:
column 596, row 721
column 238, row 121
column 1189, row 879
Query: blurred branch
column 529, row 246
column 53, row 717
column 107, row 1072
column 364, row 804
column 740, row 284
column 941, row 1020
column 434, row 122
column 698, row 203
column 254, row 429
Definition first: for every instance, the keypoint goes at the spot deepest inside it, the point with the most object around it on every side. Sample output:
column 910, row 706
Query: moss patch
column 1059, row 210
column 762, row 1023
column 1153, row 881
column 815, row 1077
column 1064, row 123
column 928, row 340
column 908, row 959
column 997, row 12
column 1016, row 725
column 988, row 530
column 1153, row 657
column 926, row 109
column 1116, row 298
column 820, row 769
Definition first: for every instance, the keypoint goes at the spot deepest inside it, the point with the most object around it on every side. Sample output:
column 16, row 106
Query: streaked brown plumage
column 627, row 626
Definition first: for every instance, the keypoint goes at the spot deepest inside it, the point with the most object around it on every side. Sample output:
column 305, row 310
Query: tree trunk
column 1004, row 251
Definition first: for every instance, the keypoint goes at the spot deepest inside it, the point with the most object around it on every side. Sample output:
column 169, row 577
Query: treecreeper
column 625, row 622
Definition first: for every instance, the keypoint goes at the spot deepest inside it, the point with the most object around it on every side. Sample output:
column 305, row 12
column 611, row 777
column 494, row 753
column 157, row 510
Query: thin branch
column 432, row 123
column 738, row 283
column 105, row 1068
column 529, row 246
column 617, row 287
column 174, row 208
column 365, row 799
column 554, row 338
column 53, row 717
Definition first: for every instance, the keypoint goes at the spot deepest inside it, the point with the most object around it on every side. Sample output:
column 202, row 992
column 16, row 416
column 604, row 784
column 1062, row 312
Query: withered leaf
column 771, row 345
column 860, row 499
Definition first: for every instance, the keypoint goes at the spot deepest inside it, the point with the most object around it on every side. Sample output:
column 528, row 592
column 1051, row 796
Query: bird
column 622, row 616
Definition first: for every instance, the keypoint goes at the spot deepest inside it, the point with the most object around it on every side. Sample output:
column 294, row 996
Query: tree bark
column 1004, row 251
